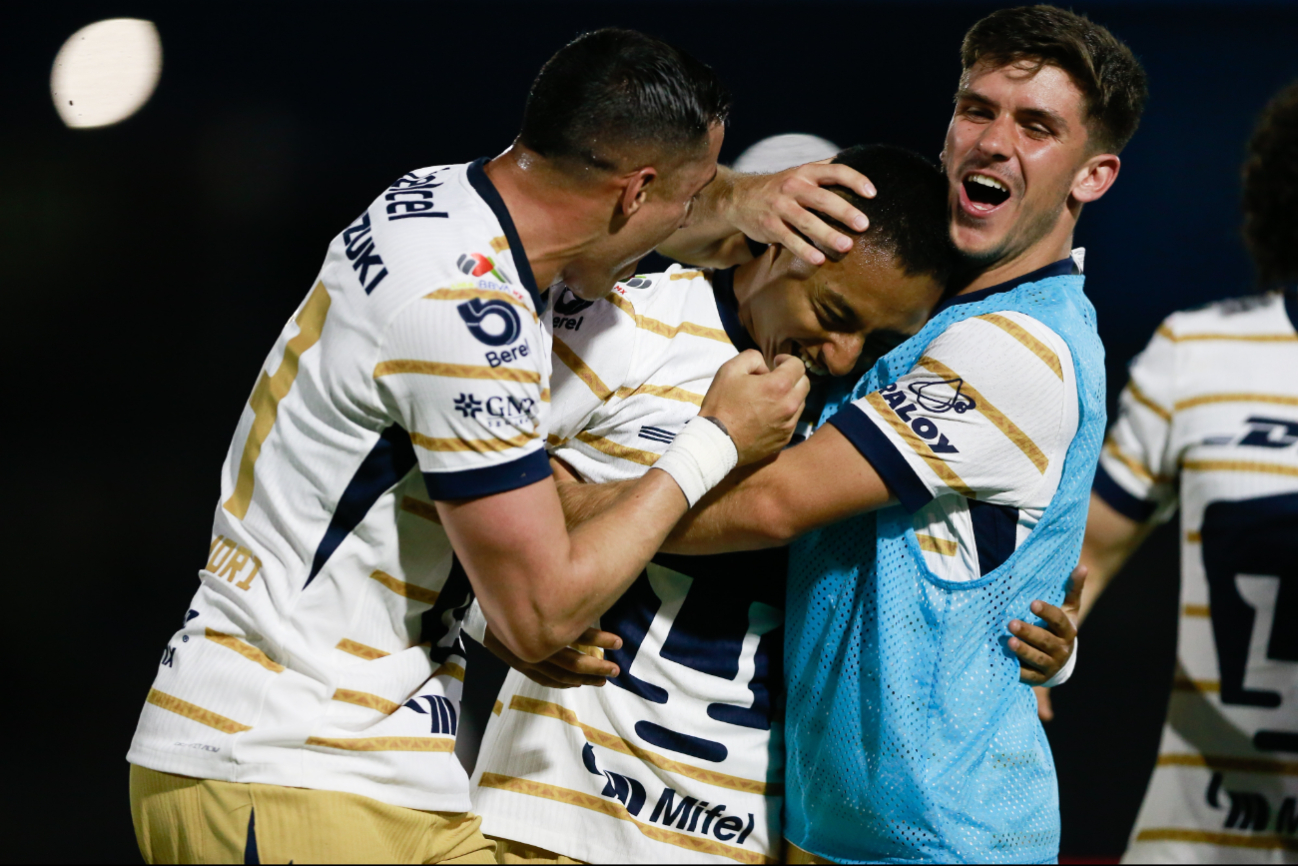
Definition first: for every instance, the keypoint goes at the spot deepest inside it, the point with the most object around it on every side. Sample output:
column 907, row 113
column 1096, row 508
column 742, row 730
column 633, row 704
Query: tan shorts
column 517, row 852
column 183, row 820
column 794, row 854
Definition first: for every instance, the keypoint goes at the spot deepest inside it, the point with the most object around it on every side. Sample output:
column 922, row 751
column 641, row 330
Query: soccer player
column 306, row 709
column 1208, row 425
column 909, row 736
column 680, row 757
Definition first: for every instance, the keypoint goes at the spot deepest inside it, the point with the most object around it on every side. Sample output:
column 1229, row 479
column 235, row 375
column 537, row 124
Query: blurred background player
column 680, row 757
column 1208, row 425
column 308, row 707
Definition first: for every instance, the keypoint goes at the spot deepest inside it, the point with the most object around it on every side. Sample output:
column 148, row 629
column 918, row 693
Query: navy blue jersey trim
column 995, row 533
column 250, row 854
column 877, row 448
column 1291, row 306
column 501, row 478
column 1119, row 499
column 386, row 464
column 723, row 292
column 1063, row 268
column 487, row 190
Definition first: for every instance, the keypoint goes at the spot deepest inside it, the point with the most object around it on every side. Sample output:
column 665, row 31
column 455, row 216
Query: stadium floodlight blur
column 779, row 152
column 106, row 71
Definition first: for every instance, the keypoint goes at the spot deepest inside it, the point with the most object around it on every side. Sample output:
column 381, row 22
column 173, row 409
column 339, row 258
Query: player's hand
column 1045, row 708
column 1043, row 653
column 775, row 208
column 568, row 667
column 759, row 407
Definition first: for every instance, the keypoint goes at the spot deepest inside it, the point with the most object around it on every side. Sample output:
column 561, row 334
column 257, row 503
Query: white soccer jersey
column 995, row 397
column 322, row 649
column 680, row 758
column 1209, row 423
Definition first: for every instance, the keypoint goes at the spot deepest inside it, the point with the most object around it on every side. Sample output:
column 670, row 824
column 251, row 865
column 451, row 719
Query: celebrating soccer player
column 307, row 708
column 1209, row 424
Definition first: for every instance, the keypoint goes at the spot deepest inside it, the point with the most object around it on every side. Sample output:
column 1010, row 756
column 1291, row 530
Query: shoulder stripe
column 998, row 418
column 667, row 392
column 1239, row 466
column 1203, row 399
column 450, row 669
column 615, row 809
column 420, row 508
column 614, row 449
column 1227, row 764
column 1197, row 610
column 1263, row 841
column 478, row 446
column 405, row 590
column 269, row 390
column 1165, row 332
column 195, row 713
column 663, row 329
column 617, row 744
column 1139, row 396
column 1035, row 346
column 499, row 244
column 367, row 700
column 581, row 370
column 456, row 371
column 483, row 294
column 686, row 275
column 933, row 544
column 243, row 648
column 1137, row 468
column 385, row 744
column 920, row 447
column 360, row 650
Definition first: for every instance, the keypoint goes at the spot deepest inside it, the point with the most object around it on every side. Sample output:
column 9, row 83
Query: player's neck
column 1054, row 247
column 554, row 222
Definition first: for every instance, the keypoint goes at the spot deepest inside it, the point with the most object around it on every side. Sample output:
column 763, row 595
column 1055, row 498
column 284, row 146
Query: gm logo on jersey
column 495, row 323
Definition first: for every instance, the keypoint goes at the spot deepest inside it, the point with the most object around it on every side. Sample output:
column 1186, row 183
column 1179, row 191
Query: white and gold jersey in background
column 680, row 758
column 1209, row 424
column 322, row 648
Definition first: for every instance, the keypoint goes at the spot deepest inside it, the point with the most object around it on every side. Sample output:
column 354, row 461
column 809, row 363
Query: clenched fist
column 759, row 407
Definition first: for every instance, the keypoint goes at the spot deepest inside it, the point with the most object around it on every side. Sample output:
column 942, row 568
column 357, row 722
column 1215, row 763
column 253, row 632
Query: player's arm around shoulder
column 541, row 585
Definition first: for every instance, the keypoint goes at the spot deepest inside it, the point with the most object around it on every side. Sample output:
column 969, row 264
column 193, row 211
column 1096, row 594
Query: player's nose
column 840, row 354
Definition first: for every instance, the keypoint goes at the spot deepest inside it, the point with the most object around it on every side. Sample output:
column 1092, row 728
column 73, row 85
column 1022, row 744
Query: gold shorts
column 794, row 854
column 183, row 820
column 517, row 852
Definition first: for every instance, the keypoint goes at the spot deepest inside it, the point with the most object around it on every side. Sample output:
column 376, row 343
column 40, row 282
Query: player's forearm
column 1110, row 540
column 710, row 239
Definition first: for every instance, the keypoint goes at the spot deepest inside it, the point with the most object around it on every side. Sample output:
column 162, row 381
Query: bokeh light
column 106, row 71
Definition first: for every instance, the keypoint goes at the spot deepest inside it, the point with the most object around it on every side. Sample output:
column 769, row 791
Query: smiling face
column 839, row 317
column 1016, row 148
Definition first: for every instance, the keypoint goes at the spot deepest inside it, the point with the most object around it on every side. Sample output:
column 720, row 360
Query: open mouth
column 984, row 192
column 812, row 367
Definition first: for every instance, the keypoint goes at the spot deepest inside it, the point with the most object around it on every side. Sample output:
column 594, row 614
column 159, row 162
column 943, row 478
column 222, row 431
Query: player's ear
column 1095, row 177
column 635, row 189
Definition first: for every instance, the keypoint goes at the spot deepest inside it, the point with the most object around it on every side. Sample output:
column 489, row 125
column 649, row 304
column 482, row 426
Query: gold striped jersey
column 1208, row 425
column 679, row 759
column 322, row 647
column 972, row 439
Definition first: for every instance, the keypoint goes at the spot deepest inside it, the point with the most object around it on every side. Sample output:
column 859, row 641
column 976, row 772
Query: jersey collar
column 723, row 290
column 487, row 191
column 1062, row 268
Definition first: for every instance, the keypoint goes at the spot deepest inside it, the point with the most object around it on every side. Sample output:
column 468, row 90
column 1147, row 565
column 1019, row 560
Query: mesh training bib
column 909, row 735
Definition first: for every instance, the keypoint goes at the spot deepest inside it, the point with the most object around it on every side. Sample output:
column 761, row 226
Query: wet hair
column 1112, row 81
column 1271, row 191
column 908, row 216
column 612, row 90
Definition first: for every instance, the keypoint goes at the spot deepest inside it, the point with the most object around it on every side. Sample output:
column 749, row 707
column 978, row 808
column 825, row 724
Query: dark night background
column 149, row 266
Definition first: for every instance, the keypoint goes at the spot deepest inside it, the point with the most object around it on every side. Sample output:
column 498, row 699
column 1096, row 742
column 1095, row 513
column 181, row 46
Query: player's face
column 839, row 317
column 665, row 206
column 1015, row 145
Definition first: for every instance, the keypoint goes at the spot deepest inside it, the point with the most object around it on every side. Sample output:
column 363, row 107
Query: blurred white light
column 784, row 151
column 106, row 71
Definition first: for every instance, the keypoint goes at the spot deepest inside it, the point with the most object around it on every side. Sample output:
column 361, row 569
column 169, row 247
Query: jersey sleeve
column 463, row 372
column 987, row 412
column 1137, row 472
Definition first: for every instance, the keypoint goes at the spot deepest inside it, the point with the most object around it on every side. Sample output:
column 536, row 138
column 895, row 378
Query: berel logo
column 569, row 304
column 495, row 323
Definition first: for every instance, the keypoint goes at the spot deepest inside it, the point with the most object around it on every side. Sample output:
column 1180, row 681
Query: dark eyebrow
column 1044, row 114
column 839, row 306
column 972, row 96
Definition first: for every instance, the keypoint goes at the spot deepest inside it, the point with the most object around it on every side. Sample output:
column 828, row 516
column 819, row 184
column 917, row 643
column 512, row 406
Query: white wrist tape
column 1066, row 671
column 475, row 624
column 701, row 455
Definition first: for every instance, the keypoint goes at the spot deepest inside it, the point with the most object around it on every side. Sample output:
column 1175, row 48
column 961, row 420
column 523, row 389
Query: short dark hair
column 1271, row 190
column 1112, row 81
column 614, row 88
column 908, row 215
